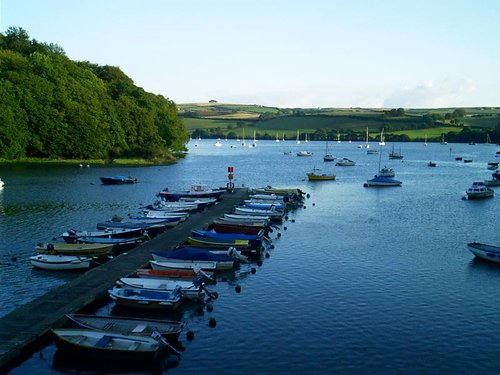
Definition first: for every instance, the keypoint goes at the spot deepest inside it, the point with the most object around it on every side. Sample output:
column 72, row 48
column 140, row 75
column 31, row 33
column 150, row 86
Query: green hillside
column 56, row 108
column 217, row 120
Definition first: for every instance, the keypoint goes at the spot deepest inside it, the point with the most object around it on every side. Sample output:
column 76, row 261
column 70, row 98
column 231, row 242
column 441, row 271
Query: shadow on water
column 70, row 363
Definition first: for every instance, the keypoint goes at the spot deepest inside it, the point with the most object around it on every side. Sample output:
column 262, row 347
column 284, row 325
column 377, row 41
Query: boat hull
column 320, row 177
column 145, row 299
column 117, row 180
column 483, row 251
column 100, row 344
column 127, row 326
column 60, row 262
column 74, row 249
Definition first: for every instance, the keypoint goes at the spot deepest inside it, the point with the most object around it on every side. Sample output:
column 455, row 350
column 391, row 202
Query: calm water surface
column 362, row 281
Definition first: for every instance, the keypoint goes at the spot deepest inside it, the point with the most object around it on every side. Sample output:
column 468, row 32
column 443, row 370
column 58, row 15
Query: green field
column 220, row 120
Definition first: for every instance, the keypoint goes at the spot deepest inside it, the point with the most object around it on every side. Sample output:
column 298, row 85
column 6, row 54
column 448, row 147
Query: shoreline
column 135, row 162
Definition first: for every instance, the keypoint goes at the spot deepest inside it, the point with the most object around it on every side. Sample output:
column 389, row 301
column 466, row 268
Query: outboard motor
column 235, row 254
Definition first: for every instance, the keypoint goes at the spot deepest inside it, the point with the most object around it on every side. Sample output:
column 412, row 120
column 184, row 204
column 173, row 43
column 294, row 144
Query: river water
column 362, row 280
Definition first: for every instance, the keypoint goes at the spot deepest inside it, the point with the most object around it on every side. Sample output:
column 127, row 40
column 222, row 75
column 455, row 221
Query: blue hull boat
column 117, row 180
column 253, row 239
column 380, row 181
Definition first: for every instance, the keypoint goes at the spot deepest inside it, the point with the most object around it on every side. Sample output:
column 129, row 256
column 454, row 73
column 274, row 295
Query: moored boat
column 71, row 235
column 74, row 249
column 117, row 180
column 478, row 190
column 188, row 289
column 145, row 298
column 257, row 238
column 345, row 162
column 395, row 155
column 60, row 262
column 380, row 181
column 196, row 190
column 92, row 343
column 218, row 242
column 386, row 172
column 304, row 153
column 495, row 180
column 175, row 264
column 272, row 214
column 127, row 326
column 195, row 257
column 227, row 227
column 315, row 175
column 174, row 273
column 483, row 251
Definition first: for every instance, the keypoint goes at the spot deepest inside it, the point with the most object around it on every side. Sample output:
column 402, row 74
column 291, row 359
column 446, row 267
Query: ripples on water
column 364, row 281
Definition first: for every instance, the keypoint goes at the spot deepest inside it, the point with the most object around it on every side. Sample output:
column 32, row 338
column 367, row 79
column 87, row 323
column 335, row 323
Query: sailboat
column 395, row 155
column 277, row 139
column 306, row 139
column 425, row 142
column 443, row 142
column 488, row 139
column 380, row 179
column 243, row 143
column 298, row 139
column 338, row 137
column 367, row 145
column 283, row 139
column 254, row 140
column 328, row 156
column 382, row 142
column 372, row 150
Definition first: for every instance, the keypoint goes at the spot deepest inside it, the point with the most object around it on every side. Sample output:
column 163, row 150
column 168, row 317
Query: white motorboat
column 345, row 162
column 478, row 190
column 304, row 153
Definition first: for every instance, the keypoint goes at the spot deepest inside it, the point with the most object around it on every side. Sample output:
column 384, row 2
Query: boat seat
column 103, row 341
column 79, row 339
column 134, row 346
column 139, row 328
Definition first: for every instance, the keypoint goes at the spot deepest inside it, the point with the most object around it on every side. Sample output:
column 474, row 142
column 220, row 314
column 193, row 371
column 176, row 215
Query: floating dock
column 24, row 328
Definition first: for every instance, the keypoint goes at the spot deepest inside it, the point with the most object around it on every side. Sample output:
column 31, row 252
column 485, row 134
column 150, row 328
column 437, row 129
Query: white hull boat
column 488, row 252
column 183, row 265
column 478, row 190
column 188, row 289
column 60, row 262
column 344, row 162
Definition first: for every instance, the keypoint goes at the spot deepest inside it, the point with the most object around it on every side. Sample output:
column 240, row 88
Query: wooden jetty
column 27, row 326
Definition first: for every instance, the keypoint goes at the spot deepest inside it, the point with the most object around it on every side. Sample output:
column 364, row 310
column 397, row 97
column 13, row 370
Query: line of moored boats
column 174, row 277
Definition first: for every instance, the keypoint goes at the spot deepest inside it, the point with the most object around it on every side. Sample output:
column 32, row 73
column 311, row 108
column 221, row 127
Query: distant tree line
column 53, row 107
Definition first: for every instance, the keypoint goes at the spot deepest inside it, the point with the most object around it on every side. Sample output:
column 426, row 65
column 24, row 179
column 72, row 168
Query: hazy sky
column 309, row 53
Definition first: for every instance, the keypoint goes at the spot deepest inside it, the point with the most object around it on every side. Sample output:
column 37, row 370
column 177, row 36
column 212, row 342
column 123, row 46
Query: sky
column 289, row 54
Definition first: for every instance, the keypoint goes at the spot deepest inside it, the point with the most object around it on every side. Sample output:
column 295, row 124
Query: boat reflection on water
column 71, row 364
